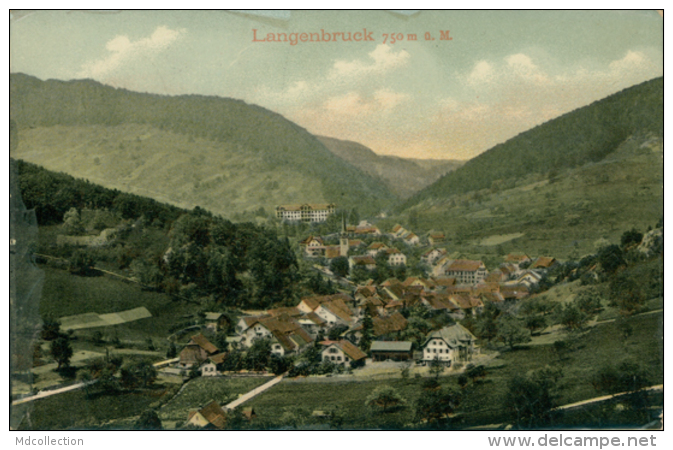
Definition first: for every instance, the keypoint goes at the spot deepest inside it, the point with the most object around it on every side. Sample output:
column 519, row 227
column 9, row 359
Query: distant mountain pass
column 402, row 176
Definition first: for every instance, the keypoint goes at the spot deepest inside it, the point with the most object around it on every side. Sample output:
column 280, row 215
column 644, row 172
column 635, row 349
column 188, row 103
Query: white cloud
column 123, row 50
column 481, row 73
column 384, row 59
column 353, row 104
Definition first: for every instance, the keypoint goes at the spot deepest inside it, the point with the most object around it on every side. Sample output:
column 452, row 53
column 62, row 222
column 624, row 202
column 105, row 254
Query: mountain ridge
column 222, row 153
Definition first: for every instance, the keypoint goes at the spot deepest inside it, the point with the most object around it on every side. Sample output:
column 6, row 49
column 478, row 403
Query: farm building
column 395, row 350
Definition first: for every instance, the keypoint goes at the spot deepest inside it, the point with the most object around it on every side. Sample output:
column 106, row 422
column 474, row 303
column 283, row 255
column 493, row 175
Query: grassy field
column 64, row 294
column 483, row 402
column 200, row 391
column 74, row 410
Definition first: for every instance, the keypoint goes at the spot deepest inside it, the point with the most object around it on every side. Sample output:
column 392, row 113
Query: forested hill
column 585, row 135
column 219, row 153
column 403, row 176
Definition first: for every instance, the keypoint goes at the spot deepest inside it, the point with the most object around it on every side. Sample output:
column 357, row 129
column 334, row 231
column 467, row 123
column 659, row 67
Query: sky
column 501, row 73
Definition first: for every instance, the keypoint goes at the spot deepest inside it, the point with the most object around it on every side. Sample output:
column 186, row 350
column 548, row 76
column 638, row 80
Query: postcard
column 336, row 220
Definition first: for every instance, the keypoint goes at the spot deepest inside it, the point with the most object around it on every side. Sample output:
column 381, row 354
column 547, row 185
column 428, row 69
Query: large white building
column 308, row 212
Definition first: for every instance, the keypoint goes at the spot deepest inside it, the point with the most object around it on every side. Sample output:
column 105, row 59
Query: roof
column 348, row 348
column 290, row 311
column 309, row 239
column 354, row 242
column 440, row 301
column 465, row 301
column 436, row 234
column 465, row 265
column 333, row 251
column 391, row 324
column 313, row 317
column 363, row 260
column 445, row 281
column 213, row 315
column 543, row 262
column 339, row 309
column 376, row 245
column 249, row 412
column 390, row 346
column 204, row 343
column 315, row 206
column 410, row 236
column 454, row 335
column 214, row 414
column 218, row 358
column 516, row 257
column 397, row 228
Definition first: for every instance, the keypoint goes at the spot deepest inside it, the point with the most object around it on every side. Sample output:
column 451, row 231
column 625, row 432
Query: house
column 394, row 323
column 529, row 278
column 216, row 321
column 466, row 271
column 439, row 267
column 335, row 312
column 437, row 302
column 249, row 413
column 313, row 246
column 310, row 304
column 412, row 239
column 422, row 282
column 399, row 231
column 436, row 237
column 285, row 333
column 284, row 342
column 312, row 323
column 394, row 350
column 517, row 258
column 514, row 292
column 211, row 416
column 197, row 350
column 433, row 255
column 211, row 366
column 308, row 212
column 375, row 247
column 544, row 262
column 449, row 345
column 396, row 257
column 341, row 352
column 470, row 304
column 365, row 261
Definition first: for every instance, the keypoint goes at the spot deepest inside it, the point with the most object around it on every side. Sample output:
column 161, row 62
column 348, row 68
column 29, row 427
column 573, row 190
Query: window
column 333, row 350
column 338, row 358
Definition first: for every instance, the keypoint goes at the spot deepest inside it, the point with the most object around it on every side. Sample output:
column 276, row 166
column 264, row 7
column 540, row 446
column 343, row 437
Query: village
column 415, row 321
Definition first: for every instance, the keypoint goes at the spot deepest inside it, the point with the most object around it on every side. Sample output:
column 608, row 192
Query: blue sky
column 502, row 73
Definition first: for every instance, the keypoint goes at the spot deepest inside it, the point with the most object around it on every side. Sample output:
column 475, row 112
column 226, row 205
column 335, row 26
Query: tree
column 486, row 326
column 434, row 406
column 172, row 351
column 511, row 331
column 82, row 263
column 475, row 372
column 148, row 420
column 138, row 374
column 72, row 223
column 611, row 258
column 531, row 398
column 51, row 329
column 631, row 238
column 257, row 357
column 571, row 317
column 61, row 350
column 339, row 266
column 367, row 332
column 436, row 367
column 384, row 397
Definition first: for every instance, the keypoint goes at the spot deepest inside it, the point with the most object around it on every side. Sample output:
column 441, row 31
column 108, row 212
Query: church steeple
column 343, row 239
